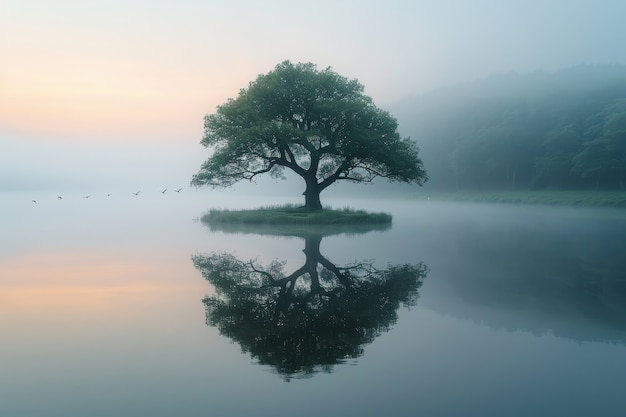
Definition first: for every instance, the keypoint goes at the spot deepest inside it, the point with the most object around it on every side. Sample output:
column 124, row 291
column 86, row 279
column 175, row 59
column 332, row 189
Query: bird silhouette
column 109, row 195
column 87, row 196
column 34, row 201
column 163, row 192
column 137, row 193
column 59, row 197
column 178, row 191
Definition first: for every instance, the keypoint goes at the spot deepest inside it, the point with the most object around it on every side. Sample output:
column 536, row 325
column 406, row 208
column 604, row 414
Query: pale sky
column 131, row 72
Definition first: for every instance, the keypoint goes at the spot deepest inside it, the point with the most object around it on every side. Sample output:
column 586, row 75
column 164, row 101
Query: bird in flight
column 59, row 197
column 163, row 192
column 178, row 191
column 87, row 196
column 34, row 201
column 109, row 195
column 137, row 193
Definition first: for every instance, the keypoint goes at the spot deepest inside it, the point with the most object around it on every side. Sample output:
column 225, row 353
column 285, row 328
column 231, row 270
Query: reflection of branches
column 311, row 319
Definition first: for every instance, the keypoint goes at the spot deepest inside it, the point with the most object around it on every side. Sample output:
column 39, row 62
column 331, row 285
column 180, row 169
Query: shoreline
column 551, row 198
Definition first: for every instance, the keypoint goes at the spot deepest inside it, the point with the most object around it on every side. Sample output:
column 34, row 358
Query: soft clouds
column 155, row 67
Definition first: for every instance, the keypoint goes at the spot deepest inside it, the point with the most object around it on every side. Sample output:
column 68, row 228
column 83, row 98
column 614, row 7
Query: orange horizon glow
column 59, row 86
column 83, row 281
column 62, row 107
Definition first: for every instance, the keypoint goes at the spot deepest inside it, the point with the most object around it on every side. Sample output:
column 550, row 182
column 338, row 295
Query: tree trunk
column 312, row 195
column 312, row 200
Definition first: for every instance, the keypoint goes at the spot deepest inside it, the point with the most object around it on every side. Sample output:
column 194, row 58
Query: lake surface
column 129, row 306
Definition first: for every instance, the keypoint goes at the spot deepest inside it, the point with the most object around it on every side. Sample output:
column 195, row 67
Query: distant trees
column 315, row 123
column 553, row 166
column 565, row 130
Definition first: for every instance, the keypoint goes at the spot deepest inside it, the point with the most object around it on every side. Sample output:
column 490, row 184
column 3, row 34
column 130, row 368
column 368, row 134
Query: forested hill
column 560, row 130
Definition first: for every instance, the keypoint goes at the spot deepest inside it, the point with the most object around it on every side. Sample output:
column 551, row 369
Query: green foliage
column 316, row 123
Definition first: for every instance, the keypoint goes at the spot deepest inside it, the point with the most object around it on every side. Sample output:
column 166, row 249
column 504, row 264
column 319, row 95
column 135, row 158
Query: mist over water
column 40, row 164
column 102, row 313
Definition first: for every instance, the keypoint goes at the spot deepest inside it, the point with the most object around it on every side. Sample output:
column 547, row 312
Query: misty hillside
column 560, row 130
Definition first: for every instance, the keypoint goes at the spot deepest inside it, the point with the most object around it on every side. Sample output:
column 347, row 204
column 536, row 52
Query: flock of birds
column 110, row 194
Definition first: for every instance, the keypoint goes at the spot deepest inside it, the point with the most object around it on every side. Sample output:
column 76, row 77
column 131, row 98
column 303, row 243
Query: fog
column 40, row 168
column 111, row 96
column 62, row 165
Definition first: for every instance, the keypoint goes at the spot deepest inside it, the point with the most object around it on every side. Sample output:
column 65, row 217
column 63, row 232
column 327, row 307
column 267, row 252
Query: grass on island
column 546, row 197
column 293, row 215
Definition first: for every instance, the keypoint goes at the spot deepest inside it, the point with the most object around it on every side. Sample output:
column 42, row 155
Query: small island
column 297, row 216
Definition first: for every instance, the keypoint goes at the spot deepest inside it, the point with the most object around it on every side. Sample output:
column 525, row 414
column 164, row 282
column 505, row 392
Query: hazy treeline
column 561, row 130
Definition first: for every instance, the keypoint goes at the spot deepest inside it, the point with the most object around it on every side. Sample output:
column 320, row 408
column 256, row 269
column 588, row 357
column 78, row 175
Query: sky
column 116, row 90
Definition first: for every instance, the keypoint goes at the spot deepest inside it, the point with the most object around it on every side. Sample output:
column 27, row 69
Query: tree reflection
column 304, row 322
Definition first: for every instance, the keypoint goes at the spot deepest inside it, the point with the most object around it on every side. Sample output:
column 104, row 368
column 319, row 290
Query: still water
column 129, row 306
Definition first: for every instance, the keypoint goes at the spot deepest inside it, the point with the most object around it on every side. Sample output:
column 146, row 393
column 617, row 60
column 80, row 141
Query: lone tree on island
column 316, row 123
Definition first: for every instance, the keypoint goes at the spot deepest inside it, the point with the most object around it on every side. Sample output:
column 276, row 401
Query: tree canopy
column 316, row 123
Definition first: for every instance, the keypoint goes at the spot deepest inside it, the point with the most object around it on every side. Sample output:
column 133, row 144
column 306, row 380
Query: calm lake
column 129, row 306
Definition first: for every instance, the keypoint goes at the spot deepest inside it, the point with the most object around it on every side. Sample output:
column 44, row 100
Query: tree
column 317, row 124
column 605, row 156
column 553, row 167
column 595, row 160
column 615, row 132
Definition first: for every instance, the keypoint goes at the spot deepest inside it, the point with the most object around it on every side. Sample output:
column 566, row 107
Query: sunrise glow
column 81, row 282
